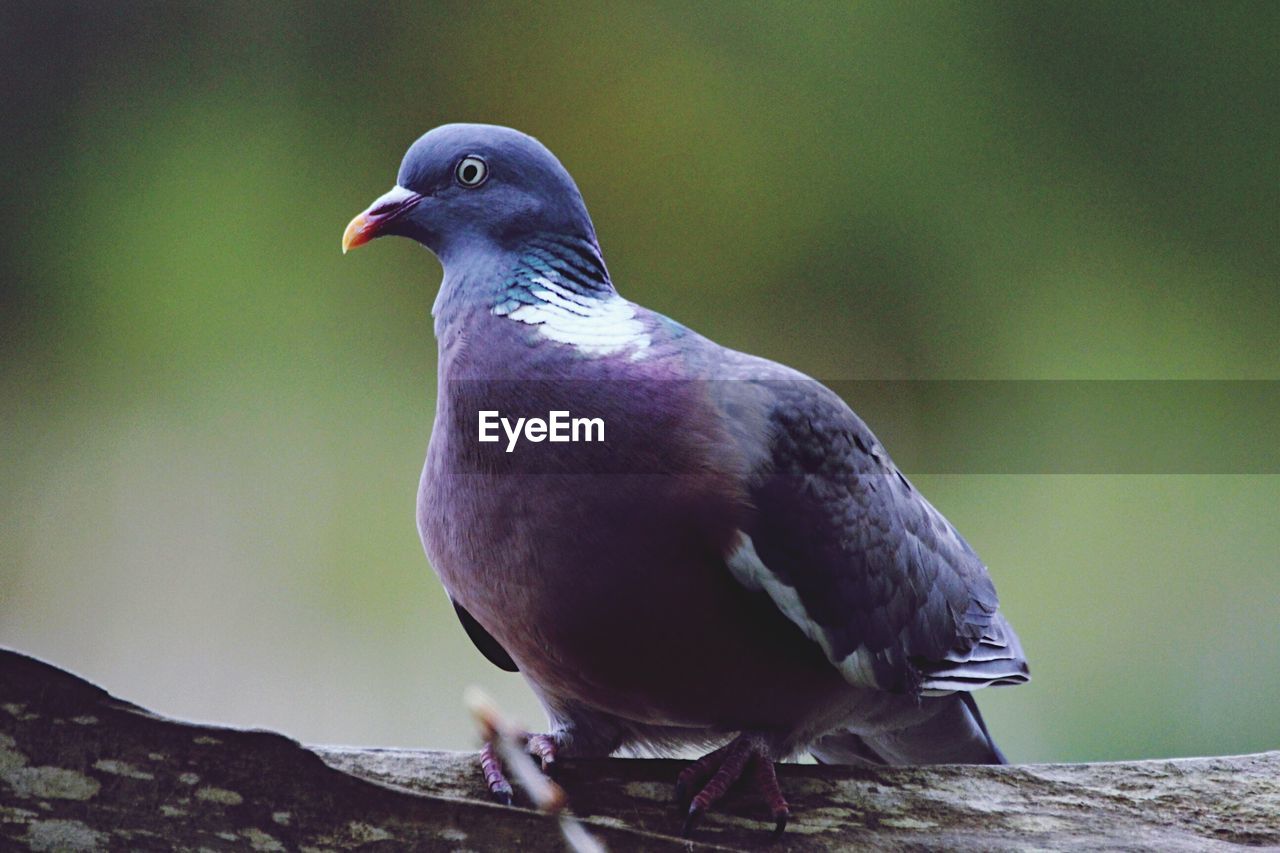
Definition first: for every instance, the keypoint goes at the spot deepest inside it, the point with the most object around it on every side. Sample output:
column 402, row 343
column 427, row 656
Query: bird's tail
column 954, row 735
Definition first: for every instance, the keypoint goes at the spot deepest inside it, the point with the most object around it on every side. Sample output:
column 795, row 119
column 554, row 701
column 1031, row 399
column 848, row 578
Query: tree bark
column 84, row 770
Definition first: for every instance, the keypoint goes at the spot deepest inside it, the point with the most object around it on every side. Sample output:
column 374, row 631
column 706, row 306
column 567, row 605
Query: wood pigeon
column 730, row 560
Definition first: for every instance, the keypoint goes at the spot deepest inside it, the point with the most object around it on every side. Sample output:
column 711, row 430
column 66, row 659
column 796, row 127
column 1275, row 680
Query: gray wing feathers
column 995, row 659
column 861, row 561
column 955, row 734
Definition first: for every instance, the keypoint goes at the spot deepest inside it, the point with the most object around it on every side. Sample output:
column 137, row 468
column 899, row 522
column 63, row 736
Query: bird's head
column 465, row 186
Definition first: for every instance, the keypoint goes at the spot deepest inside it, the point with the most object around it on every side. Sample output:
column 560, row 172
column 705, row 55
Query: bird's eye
column 471, row 171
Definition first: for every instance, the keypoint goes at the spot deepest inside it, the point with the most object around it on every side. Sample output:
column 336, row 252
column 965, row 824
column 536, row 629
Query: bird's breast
column 602, row 570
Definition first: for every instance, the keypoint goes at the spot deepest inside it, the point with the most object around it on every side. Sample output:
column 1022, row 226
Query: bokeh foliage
column 213, row 422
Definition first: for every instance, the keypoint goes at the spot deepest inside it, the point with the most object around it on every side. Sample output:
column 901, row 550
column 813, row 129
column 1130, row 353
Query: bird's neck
column 552, row 287
column 535, row 270
column 553, row 271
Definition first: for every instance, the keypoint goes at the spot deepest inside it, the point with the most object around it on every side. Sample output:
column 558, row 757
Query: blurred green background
column 213, row 422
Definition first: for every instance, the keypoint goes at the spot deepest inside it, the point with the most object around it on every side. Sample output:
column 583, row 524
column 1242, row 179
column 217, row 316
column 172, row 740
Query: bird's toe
column 703, row 783
column 494, row 777
column 543, row 748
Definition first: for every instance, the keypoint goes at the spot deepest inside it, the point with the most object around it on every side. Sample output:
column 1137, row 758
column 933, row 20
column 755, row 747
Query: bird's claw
column 691, row 820
column 494, row 778
column 692, row 779
column 709, row 778
column 543, row 748
column 780, row 819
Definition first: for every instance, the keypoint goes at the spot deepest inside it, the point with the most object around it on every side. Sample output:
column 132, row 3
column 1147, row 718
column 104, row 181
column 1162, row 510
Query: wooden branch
column 80, row 769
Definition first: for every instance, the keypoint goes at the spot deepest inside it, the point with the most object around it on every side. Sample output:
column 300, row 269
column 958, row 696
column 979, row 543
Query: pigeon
column 730, row 562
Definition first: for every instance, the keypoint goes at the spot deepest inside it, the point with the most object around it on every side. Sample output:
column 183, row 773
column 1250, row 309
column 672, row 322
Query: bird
column 738, row 568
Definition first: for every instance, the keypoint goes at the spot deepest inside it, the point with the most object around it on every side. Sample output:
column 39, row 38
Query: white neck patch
column 595, row 326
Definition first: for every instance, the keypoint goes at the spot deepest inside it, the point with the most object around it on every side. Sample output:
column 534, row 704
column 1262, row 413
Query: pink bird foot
column 541, row 747
column 708, row 779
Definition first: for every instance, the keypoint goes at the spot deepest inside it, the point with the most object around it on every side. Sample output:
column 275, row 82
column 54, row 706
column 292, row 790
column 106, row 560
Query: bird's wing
column 488, row 646
column 854, row 555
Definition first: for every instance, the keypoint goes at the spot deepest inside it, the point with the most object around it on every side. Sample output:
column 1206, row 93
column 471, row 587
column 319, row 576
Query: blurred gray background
column 213, row 423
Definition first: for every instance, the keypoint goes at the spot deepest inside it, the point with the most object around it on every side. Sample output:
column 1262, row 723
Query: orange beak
column 374, row 221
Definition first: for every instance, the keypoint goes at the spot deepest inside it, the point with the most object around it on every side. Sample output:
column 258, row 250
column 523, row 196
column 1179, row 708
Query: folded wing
column 856, row 557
